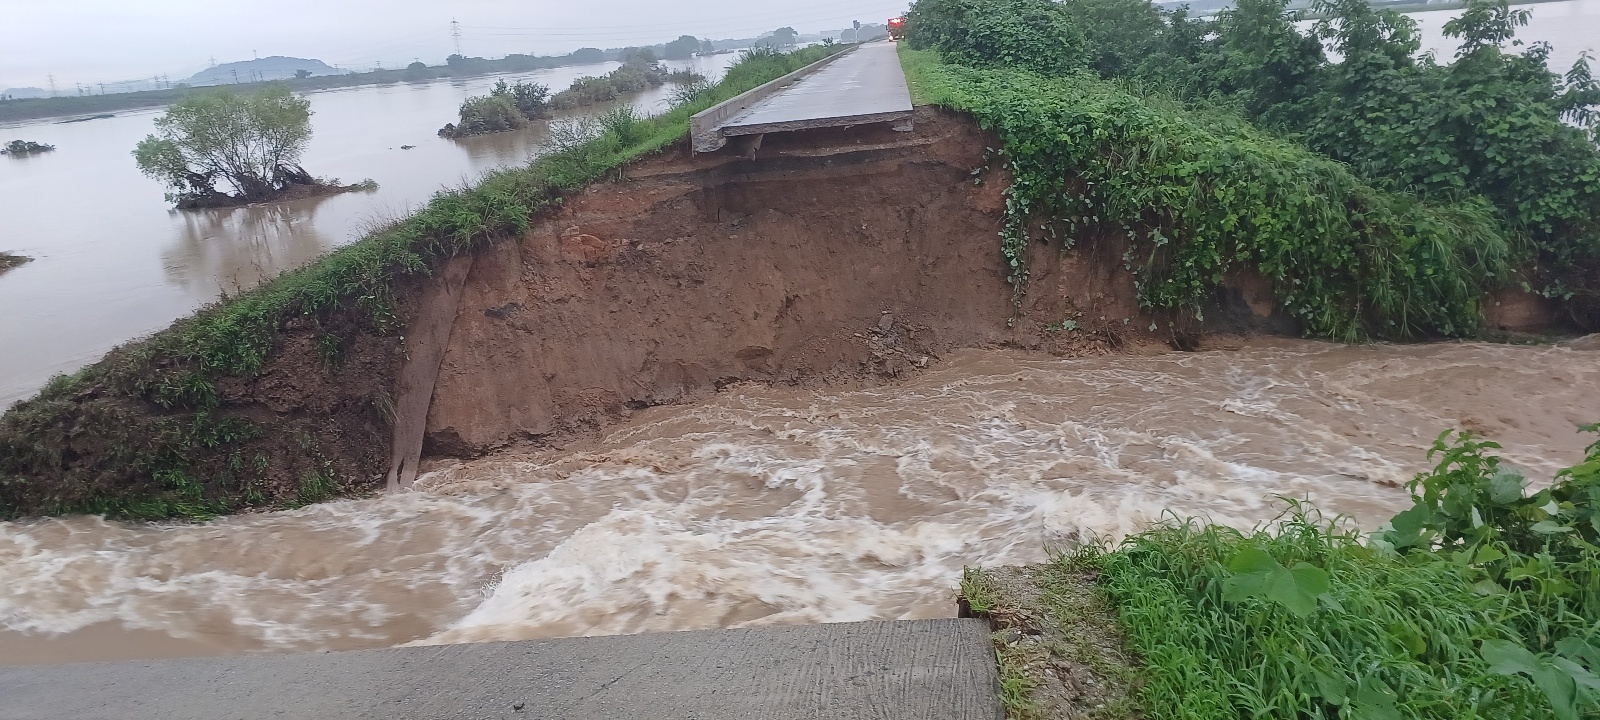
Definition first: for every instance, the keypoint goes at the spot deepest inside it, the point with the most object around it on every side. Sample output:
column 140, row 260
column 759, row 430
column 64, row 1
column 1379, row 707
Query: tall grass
column 1430, row 618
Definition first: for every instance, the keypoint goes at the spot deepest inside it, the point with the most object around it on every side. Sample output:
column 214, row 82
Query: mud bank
column 834, row 256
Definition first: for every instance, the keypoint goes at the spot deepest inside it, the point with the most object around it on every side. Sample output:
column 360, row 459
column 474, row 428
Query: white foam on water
column 785, row 506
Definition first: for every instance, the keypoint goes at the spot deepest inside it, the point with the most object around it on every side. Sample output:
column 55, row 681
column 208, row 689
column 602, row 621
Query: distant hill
column 20, row 93
column 276, row 67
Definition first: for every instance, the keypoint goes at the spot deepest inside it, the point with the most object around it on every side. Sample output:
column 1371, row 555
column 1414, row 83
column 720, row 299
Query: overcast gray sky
column 92, row 41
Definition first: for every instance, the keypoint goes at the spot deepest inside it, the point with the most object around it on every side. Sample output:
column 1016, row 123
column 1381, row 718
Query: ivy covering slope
column 1440, row 174
column 1203, row 193
column 146, row 434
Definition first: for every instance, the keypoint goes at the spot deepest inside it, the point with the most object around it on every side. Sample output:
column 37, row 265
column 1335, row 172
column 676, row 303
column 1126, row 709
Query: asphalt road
column 910, row 670
column 864, row 86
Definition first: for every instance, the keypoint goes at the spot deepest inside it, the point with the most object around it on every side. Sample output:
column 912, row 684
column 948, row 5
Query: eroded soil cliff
column 833, row 256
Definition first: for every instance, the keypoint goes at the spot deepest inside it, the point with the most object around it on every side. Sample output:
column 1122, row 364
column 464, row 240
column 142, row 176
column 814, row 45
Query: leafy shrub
column 1033, row 34
column 505, row 108
column 1199, row 194
column 1491, row 124
column 488, row 114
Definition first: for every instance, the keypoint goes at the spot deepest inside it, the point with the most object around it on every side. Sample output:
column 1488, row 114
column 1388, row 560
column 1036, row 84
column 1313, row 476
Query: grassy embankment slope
column 1483, row 601
column 152, row 431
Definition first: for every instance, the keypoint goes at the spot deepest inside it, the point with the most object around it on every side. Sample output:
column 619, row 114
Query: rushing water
column 776, row 505
column 113, row 261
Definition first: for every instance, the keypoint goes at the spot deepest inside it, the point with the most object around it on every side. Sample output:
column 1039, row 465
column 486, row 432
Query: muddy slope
column 832, row 256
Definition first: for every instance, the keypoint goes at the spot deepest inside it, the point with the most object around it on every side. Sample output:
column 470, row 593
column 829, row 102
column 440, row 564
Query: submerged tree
column 252, row 143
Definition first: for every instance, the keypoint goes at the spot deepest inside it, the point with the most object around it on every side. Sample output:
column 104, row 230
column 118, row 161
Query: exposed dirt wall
column 832, row 256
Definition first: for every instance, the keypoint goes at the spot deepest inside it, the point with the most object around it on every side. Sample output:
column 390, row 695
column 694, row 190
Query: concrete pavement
column 910, row 670
column 863, row 86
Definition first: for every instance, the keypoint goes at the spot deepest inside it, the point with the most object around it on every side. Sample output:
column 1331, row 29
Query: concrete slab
column 915, row 670
column 862, row 87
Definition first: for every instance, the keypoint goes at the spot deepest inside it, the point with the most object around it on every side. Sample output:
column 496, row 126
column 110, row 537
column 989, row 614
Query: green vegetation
column 1482, row 601
column 1382, row 194
column 18, row 148
column 149, row 433
column 251, row 142
column 506, row 107
column 640, row 71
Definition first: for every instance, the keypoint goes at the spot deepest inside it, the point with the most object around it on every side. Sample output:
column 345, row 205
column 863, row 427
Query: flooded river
column 777, row 505
column 114, row 262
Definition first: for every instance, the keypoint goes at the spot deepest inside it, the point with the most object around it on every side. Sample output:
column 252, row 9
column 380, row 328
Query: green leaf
column 1488, row 554
column 1375, row 701
column 1335, row 689
column 1561, row 689
column 1509, row 658
column 1506, row 487
column 1549, row 527
column 1407, row 527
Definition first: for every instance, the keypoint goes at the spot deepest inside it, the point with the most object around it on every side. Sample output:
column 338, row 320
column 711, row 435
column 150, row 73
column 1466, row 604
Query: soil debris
column 1061, row 651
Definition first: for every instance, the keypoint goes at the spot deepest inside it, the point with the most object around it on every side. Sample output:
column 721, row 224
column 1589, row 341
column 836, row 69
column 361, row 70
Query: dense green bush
column 1490, row 129
column 506, row 107
column 1478, row 603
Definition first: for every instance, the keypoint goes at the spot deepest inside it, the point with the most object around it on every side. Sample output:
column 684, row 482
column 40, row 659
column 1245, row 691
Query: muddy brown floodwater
column 783, row 505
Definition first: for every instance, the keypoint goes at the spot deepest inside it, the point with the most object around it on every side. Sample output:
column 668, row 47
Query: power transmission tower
column 455, row 34
column 52, row 84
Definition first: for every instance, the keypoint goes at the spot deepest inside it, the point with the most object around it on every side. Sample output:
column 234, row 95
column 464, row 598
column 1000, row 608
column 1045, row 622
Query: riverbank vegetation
column 252, row 143
column 639, row 71
column 1481, row 601
column 1380, row 191
column 506, row 107
column 8, row 261
column 162, row 427
column 512, row 107
column 18, row 148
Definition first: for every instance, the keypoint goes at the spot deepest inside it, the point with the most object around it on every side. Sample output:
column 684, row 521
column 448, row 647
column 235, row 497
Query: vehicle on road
column 897, row 28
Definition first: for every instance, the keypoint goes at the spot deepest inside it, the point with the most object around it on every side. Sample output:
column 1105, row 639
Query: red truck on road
column 897, row 28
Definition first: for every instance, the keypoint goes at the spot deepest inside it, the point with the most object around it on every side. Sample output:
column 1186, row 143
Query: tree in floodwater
column 253, row 143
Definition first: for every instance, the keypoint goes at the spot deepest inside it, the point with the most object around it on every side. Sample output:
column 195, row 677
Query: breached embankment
column 834, row 256
column 837, row 256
